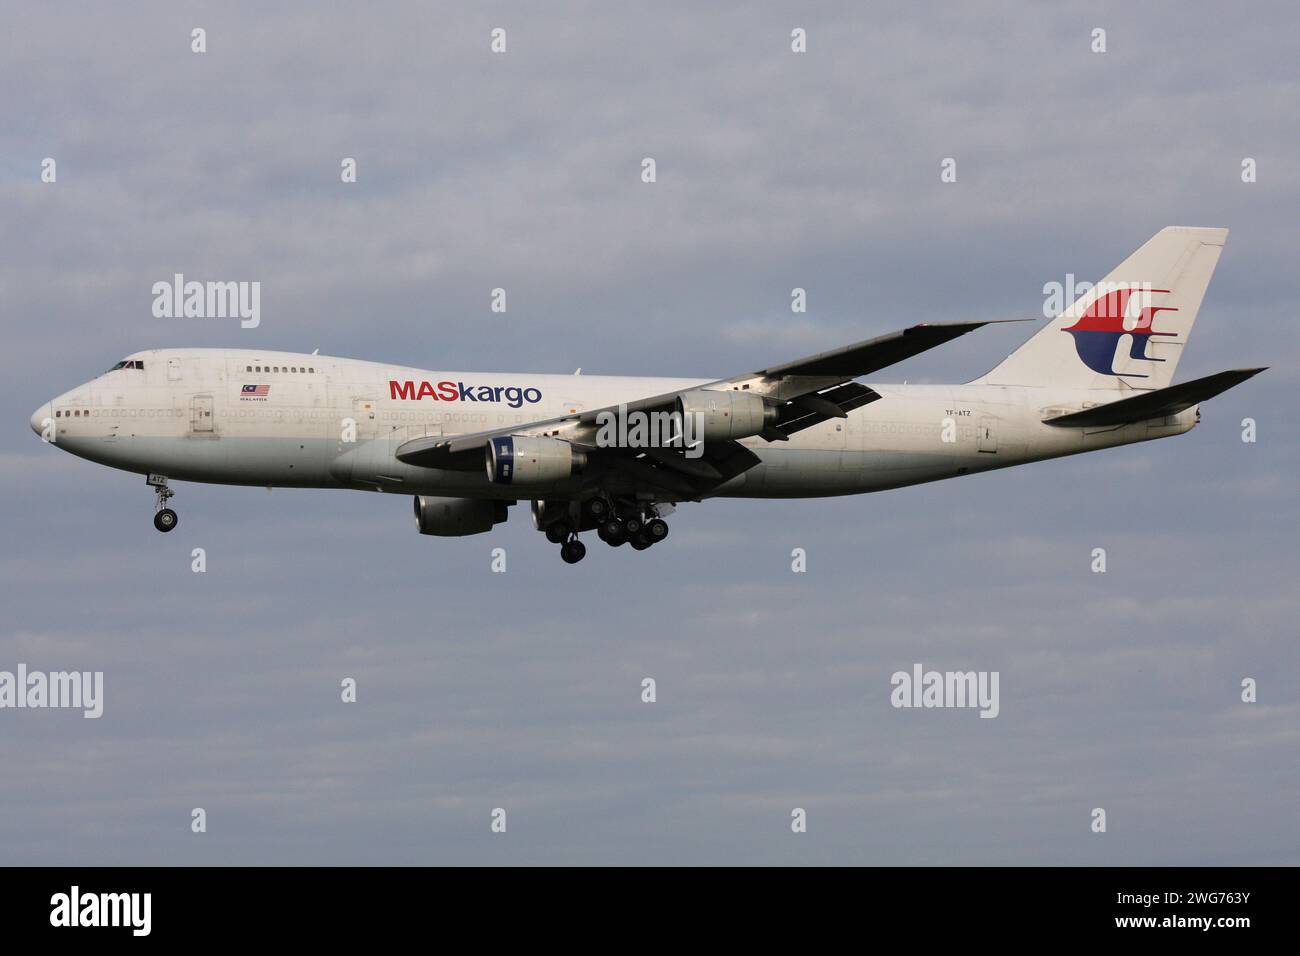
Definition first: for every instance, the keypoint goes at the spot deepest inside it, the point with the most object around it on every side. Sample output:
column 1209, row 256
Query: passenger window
column 248, row 369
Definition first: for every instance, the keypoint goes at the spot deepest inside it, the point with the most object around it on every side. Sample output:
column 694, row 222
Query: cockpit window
column 128, row 364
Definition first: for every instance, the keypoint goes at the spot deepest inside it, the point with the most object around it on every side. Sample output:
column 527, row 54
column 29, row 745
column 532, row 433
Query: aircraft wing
column 805, row 392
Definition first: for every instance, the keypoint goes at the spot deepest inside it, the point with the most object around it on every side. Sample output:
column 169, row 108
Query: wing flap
column 808, row 410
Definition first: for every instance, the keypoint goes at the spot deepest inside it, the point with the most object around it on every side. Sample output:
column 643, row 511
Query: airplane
column 583, row 449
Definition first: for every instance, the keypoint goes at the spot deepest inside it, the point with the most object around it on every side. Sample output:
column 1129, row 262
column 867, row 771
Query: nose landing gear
column 164, row 519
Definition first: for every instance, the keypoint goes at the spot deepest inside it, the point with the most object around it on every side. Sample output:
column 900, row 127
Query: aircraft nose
column 39, row 416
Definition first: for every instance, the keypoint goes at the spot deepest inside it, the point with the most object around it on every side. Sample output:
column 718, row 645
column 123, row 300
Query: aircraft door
column 201, row 415
column 358, row 455
column 364, row 414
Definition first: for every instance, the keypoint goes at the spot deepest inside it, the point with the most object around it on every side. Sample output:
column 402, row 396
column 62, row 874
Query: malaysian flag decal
column 255, row 391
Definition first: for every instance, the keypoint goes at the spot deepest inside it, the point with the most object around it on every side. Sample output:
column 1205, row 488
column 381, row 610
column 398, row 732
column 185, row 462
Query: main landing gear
column 164, row 519
column 632, row 526
column 616, row 523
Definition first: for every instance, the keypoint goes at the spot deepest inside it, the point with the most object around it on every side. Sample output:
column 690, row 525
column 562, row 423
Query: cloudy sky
column 522, row 690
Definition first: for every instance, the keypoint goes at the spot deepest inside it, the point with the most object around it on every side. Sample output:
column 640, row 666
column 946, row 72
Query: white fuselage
column 201, row 415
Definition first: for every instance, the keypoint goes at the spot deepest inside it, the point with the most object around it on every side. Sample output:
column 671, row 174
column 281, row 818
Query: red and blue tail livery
column 1129, row 329
column 1112, row 316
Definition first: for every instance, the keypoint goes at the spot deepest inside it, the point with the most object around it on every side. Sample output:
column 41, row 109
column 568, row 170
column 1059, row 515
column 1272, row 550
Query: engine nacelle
column 719, row 416
column 454, row 517
column 523, row 460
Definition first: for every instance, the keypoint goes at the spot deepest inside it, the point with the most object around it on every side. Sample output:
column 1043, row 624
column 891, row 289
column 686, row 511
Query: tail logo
column 1108, row 319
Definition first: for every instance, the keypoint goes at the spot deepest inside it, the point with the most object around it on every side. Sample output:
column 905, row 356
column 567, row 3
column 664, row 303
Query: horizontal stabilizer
column 1156, row 403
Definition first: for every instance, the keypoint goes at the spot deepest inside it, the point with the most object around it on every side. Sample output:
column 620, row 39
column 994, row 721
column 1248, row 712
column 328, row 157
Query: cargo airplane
column 467, row 446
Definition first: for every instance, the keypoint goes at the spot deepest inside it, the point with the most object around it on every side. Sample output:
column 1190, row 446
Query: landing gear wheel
column 640, row 542
column 164, row 519
column 631, row 526
column 611, row 532
column 573, row 551
column 598, row 508
column 656, row 529
column 558, row 532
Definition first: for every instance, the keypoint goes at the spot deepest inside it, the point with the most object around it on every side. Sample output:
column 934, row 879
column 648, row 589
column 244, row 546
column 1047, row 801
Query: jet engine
column 718, row 416
column 523, row 460
column 454, row 517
